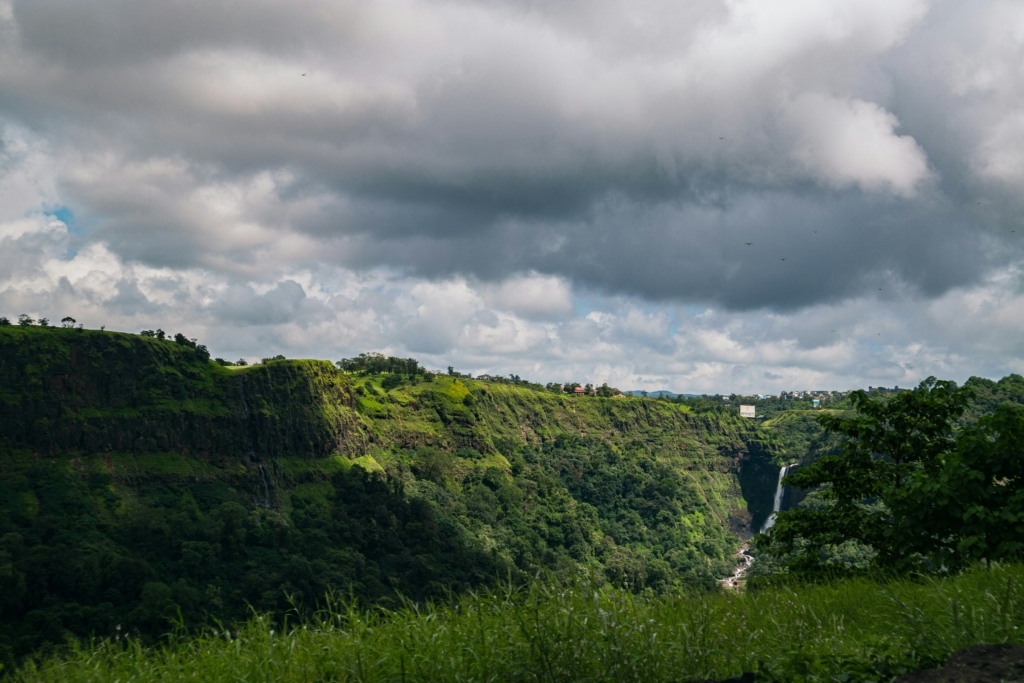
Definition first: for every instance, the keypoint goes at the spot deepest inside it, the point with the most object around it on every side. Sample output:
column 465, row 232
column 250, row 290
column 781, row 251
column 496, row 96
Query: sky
column 709, row 196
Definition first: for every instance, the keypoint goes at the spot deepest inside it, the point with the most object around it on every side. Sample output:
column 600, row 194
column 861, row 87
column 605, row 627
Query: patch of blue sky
column 67, row 217
column 583, row 306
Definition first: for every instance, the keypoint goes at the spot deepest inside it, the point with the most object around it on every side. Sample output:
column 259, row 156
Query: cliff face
column 66, row 392
column 86, row 392
column 81, row 393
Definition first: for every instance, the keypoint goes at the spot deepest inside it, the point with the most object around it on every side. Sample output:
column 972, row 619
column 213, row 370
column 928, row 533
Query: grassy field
column 851, row 630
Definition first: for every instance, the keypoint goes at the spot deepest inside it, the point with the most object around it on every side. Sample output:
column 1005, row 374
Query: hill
column 139, row 481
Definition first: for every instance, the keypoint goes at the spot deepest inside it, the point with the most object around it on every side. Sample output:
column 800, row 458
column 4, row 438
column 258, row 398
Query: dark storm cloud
column 803, row 249
column 242, row 305
column 492, row 139
column 130, row 300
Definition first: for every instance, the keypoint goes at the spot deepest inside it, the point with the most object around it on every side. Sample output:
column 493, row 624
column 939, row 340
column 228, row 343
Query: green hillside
column 140, row 481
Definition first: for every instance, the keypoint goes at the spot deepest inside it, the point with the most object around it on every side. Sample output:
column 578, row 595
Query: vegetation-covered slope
column 138, row 480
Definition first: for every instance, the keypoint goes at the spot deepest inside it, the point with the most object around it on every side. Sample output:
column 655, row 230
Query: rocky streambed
column 744, row 560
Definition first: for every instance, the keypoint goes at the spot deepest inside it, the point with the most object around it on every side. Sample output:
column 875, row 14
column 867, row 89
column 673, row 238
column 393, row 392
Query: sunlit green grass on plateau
column 847, row 630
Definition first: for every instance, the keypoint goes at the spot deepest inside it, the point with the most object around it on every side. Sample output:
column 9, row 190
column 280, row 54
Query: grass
column 850, row 630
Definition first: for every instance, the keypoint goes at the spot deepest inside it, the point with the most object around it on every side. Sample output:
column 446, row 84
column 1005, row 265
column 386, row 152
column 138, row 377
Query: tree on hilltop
column 24, row 320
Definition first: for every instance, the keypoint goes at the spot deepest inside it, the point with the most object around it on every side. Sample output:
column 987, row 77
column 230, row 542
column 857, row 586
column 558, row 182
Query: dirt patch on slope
column 978, row 664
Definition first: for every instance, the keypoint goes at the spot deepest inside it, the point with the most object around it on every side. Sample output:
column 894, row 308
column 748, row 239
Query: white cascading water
column 779, row 488
column 734, row 581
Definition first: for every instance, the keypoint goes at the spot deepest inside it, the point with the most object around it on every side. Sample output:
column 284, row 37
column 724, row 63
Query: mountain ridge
column 139, row 480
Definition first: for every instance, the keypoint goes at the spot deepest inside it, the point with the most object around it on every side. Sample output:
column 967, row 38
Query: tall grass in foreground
column 846, row 631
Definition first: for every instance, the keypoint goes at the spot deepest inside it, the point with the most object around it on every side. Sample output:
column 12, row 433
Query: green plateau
column 141, row 482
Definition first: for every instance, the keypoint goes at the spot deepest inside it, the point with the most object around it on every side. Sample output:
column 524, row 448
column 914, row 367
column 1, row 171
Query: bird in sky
column 303, row 74
column 782, row 259
column 748, row 243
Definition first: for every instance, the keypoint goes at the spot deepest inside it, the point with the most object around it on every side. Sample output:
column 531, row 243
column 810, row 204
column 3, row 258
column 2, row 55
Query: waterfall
column 779, row 489
column 265, row 502
column 266, row 489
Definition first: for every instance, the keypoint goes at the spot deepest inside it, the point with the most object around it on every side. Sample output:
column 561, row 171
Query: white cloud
column 531, row 296
column 850, row 141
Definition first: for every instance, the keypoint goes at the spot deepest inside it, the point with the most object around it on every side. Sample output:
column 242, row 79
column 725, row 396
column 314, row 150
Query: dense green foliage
column 909, row 485
column 989, row 394
column 375, row 364
column 140, row 480
column 854, row 630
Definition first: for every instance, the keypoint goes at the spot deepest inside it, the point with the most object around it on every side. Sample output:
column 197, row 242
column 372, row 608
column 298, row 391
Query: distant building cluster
column 819, row 396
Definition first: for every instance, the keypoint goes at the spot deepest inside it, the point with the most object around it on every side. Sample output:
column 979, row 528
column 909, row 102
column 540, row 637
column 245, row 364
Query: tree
column 160, row 334
column 147, row 333
column 4, row 322
column 44, row 322
column 24, row 320
column 67, row 322
column 909, row 486
column 975, row 504
column 179, row 338
column 202, row 352
column 241, row 362
column 433, row 463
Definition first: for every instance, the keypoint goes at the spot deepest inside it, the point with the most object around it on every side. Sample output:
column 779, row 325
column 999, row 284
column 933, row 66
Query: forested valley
column 145, row 487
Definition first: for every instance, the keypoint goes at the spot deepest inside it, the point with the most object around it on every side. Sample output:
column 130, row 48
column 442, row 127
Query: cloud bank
column 718, row 195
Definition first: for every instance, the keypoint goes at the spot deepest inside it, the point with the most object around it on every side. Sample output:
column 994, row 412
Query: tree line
column 915, row 486
column 25, row 320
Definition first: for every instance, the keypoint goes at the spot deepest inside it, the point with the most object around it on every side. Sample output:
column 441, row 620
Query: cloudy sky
column 704, row 196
